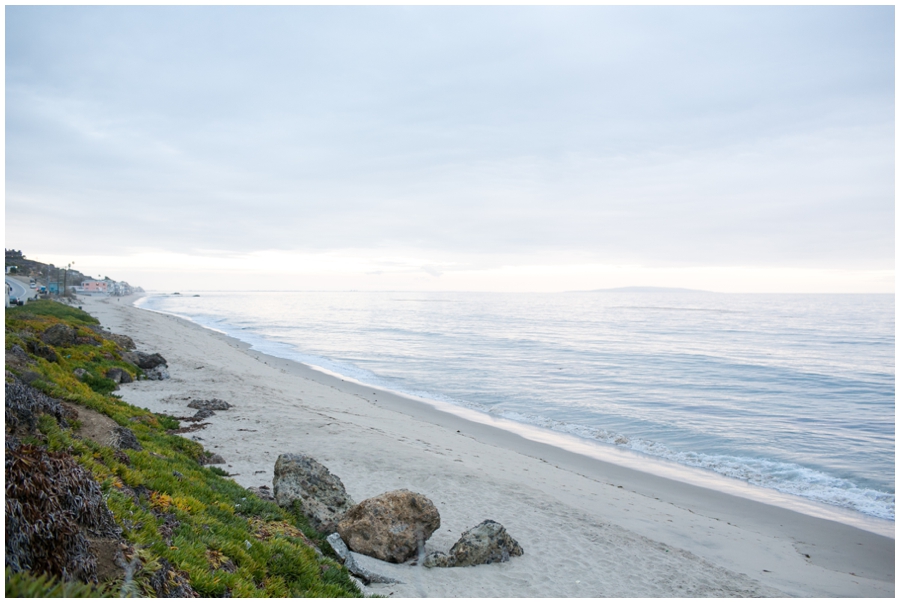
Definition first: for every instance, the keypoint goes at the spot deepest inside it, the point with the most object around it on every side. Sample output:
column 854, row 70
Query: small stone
column 437, row 559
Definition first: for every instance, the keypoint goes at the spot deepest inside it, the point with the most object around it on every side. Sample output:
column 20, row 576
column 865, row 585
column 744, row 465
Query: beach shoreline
column 589, row 527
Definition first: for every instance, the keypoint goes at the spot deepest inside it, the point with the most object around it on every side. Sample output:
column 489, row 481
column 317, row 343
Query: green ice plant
column 174, row 512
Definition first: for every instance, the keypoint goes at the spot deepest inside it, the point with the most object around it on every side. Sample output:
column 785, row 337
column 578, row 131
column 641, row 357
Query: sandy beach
column 589, row 527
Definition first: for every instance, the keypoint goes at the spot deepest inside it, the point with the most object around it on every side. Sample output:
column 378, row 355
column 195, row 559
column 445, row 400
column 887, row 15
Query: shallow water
column 791, row 392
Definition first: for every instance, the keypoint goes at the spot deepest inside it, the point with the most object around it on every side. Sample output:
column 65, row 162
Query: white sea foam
column 789, row 478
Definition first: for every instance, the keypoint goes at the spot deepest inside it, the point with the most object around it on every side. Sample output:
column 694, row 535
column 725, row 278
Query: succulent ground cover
column 168, row 525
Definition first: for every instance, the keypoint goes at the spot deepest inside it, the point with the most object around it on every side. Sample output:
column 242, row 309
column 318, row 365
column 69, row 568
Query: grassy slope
column 219, row 536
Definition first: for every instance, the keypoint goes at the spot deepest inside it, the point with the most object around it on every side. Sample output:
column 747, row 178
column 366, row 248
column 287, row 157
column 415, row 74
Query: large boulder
column 322, row 496
column 59, row 335
column 488, row 542
column 390, row 527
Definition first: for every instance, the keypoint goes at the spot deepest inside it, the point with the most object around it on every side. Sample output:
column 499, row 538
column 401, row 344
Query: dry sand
column 589, row 528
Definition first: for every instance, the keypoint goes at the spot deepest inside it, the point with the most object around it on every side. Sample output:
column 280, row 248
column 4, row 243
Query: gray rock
column 19, row 357
column 211, row 458
column 44, row 351
column 157, row 373
column 323, row 498
column 149, row 361
column 122, row 340
column 214, row 404
column 80, row 373
column 119, row 375
column 390, row 527
column 488, row 542
column 352, row 566
column 263, row 492
column 438, row 559
column 59, row 335
column 125, row 438
column 130, row 357
column 30, row 377
column 203, row 414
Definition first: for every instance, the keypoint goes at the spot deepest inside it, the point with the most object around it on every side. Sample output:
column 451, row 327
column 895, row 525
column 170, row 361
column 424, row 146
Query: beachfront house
column 92, row 287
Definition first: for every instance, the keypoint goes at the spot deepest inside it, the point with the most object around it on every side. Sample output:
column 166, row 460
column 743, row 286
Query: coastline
column 589, row 527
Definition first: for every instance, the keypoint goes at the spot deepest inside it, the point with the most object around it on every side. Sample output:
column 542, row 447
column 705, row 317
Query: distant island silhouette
column 643, row 290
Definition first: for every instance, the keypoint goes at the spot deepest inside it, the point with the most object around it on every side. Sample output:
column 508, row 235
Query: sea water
column 789, row 392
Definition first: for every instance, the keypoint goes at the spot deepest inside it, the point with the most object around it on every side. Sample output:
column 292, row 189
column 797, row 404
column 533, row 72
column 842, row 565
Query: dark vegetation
column 89, row 518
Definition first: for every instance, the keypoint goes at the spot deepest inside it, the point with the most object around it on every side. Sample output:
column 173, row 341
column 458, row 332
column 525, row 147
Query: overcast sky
column 523, row 148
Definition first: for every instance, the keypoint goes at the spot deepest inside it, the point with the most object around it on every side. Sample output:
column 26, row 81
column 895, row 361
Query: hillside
column 105, row 498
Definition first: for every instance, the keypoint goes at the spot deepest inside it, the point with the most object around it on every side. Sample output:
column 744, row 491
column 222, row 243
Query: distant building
column 93, row 287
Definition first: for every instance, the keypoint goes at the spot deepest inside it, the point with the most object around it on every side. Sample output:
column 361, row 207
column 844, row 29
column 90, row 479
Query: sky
column 455, row 148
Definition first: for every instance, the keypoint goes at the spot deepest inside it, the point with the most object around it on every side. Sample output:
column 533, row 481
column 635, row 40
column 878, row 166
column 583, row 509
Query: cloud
column 650, row 135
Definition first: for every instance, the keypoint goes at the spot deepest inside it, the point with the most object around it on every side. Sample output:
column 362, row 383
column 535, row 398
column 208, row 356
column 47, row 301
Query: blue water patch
column 789, row 392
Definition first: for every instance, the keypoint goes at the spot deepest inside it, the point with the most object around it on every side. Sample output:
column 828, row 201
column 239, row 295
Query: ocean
column 789, row 392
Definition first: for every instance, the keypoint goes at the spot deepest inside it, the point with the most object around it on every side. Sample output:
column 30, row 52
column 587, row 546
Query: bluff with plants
column 137, row 515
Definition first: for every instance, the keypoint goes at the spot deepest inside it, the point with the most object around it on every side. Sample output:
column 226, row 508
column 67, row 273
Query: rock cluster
column 488, row 542
column 322, row 496
column 391, row 527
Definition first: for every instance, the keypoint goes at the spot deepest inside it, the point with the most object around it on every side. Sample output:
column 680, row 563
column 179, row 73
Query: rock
column 18, row 359
column 263, row 493
column 149, row 361
column 211, row 458
column 214, row 404
column 39, row 349
column 59, row 335
column 488, row 542
column 203, row 414
column 352, row 566
column 30, row 377
column 125, row 438
column 122, row 340
column 438, row 559
column 80, row 373
column 390, row 527
column 322, row 496
column 157, row 373
column 119, row 375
